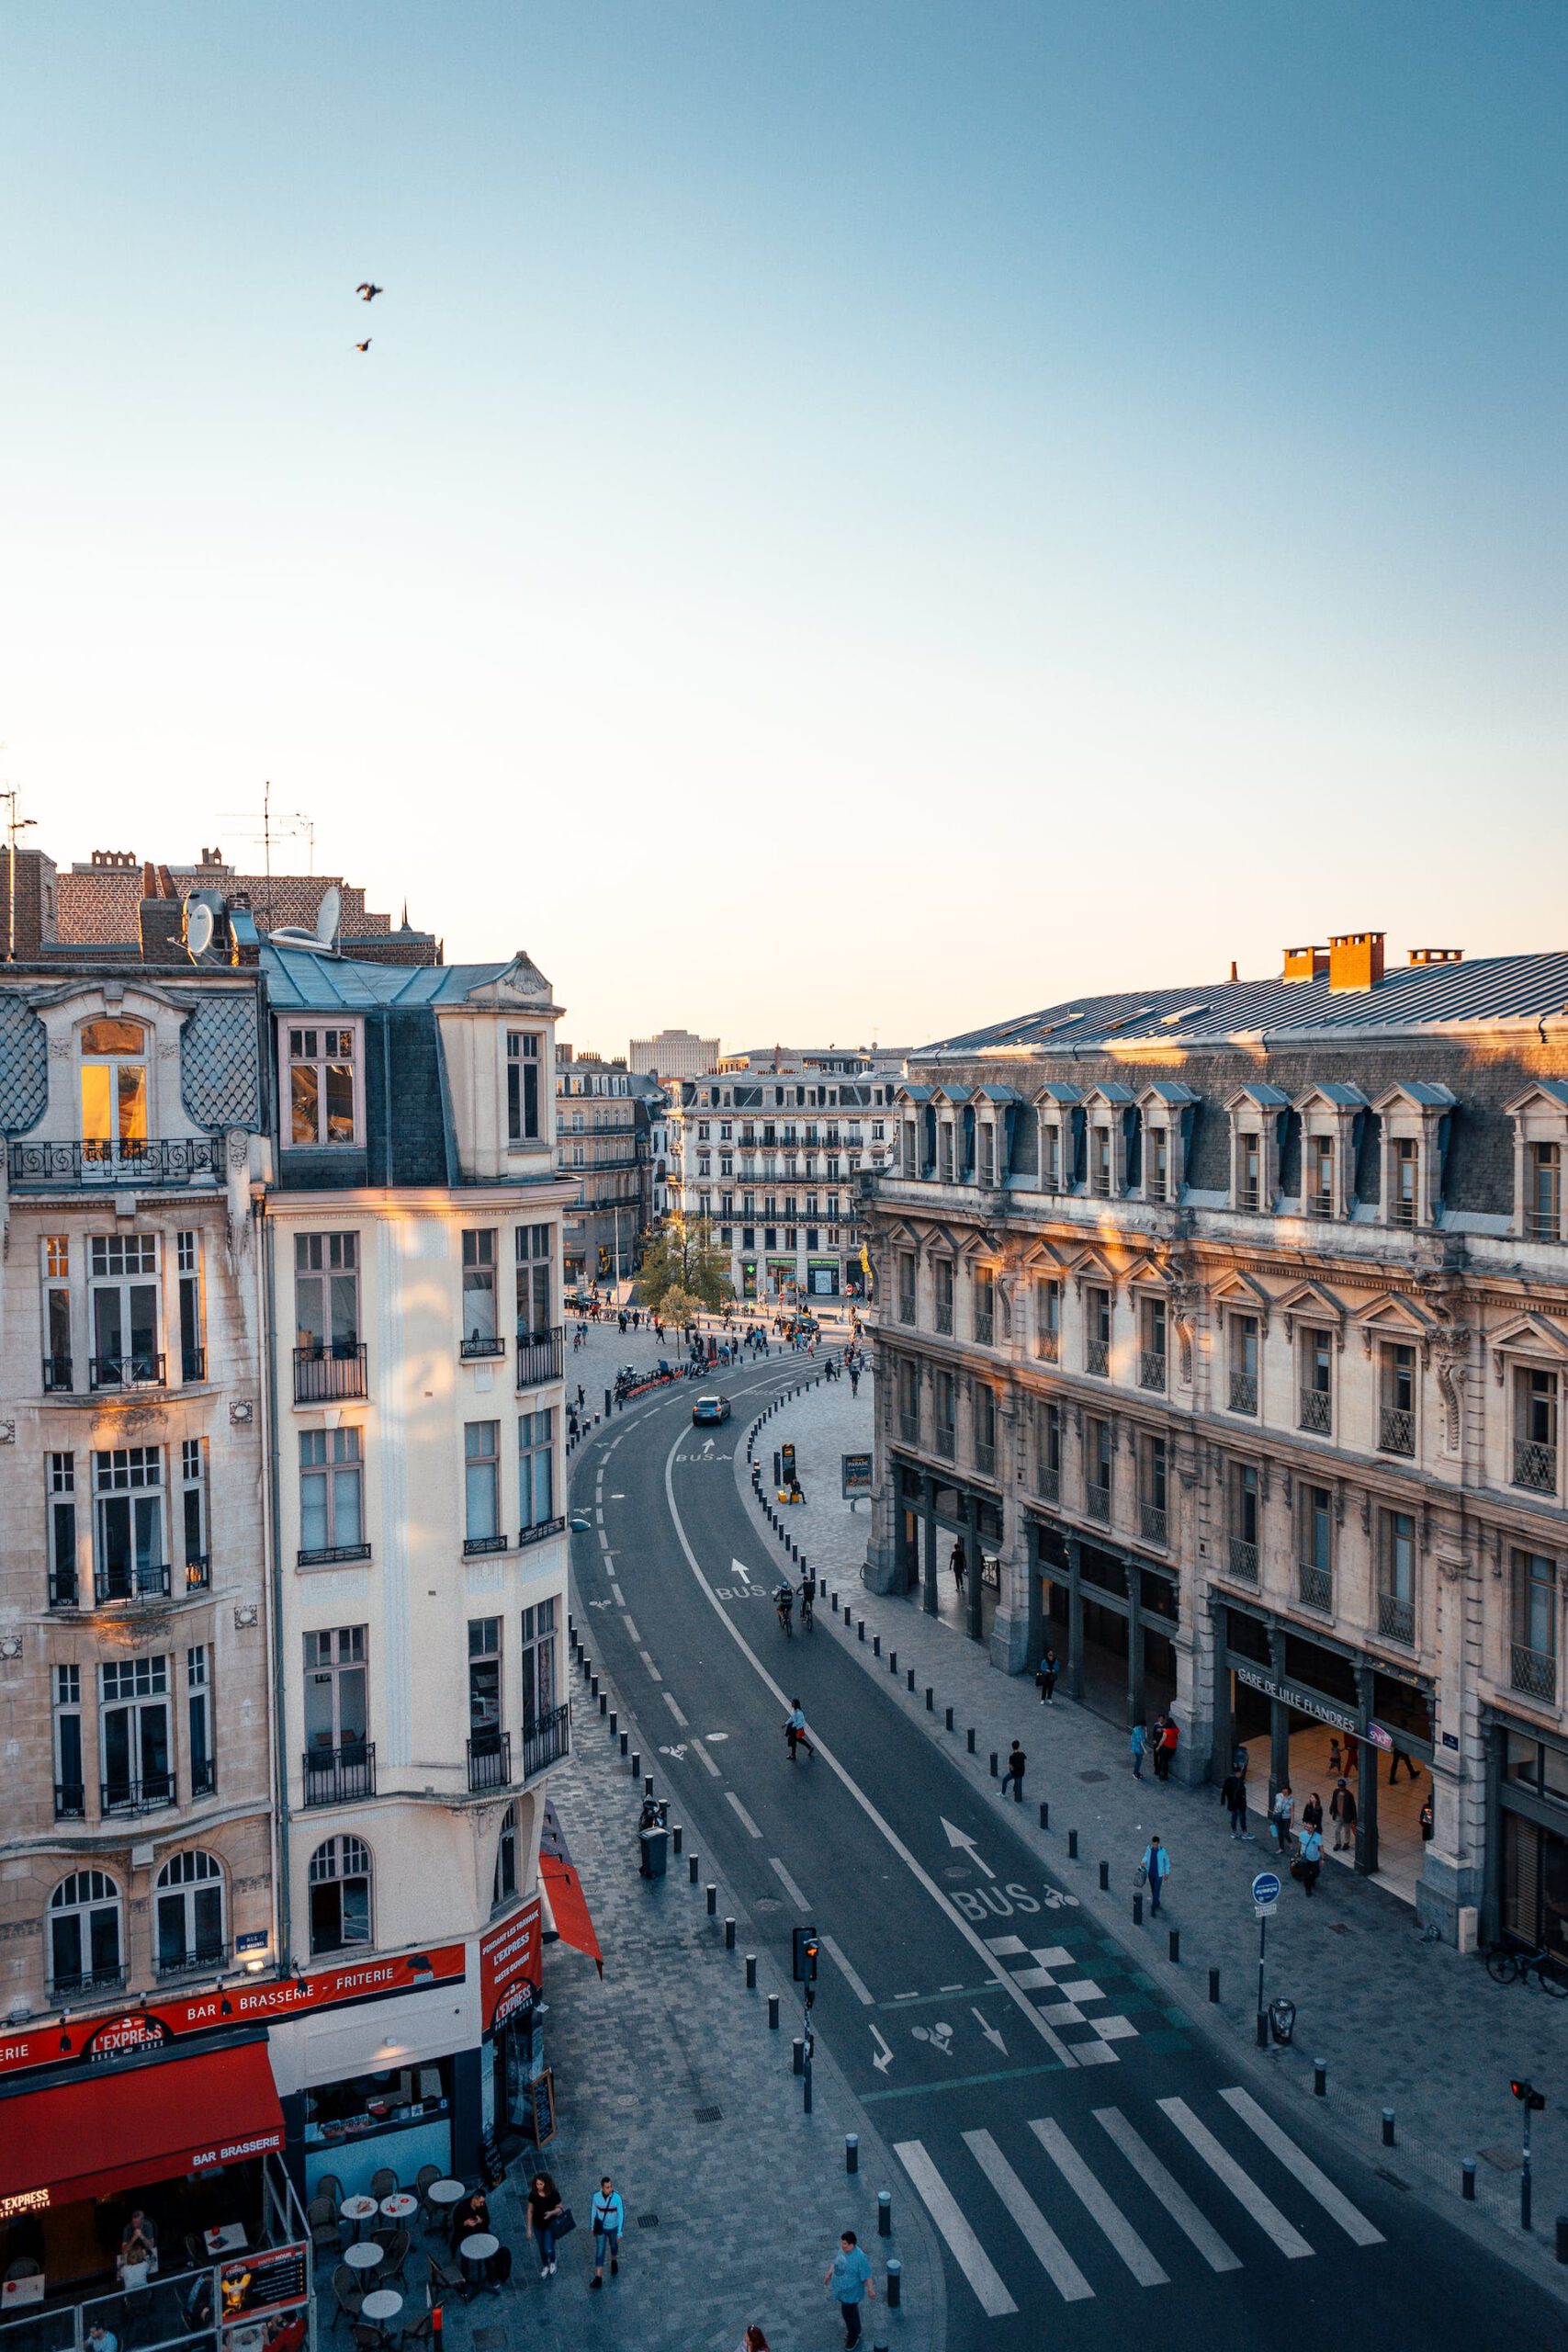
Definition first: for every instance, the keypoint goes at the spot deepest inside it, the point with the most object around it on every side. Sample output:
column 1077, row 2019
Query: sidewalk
column 1400, row 2023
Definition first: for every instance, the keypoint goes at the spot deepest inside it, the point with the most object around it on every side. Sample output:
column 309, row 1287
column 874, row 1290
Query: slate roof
column 298, row 981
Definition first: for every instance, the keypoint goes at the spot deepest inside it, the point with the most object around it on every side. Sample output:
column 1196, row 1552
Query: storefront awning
column 563, row 1890
column 114, row 2131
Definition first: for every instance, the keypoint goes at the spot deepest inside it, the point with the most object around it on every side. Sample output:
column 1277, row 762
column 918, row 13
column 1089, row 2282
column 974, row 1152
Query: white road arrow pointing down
column 884, row 2058
column 962, row 1837
column 989, row 2032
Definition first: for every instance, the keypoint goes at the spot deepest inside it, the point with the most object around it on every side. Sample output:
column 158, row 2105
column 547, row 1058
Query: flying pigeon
column 363, row 347
column 367, row 293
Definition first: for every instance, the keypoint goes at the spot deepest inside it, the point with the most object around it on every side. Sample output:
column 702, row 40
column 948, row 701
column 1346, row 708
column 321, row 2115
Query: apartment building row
column 614, row 1147
column 1228, row 1328
column 282, row 1588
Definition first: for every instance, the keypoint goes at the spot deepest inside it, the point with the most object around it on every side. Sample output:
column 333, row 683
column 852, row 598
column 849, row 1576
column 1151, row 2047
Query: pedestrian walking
column 848, row 2277
column 1233, row 1796
column 1396, row 1758
column 1428, row 1824
column 1311, row 1814
column 753, row 2341
column 1156, row 1869
column 1309, row 1860
column 1138, row 1744
column 1280, row 1816
column 1014, row 1773
column 1335, row 1761
column 609, row 2216
column 957, row 1563
column 1168, row 1737
column 1156, row 1742
column 1342, row 1812
column 543, row 2209
column 794, row 1731
column 1050, row 1666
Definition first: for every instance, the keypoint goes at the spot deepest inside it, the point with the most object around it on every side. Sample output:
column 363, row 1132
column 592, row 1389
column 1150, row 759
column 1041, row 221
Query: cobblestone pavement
column 1400, row 2022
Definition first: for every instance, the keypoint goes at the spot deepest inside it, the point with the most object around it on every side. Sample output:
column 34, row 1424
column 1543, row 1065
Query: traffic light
column 1525, row 2093
column 604, row 1258
column 805, row 1942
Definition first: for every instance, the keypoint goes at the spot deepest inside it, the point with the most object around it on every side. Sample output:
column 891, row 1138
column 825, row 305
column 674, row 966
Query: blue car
column 709, row 1411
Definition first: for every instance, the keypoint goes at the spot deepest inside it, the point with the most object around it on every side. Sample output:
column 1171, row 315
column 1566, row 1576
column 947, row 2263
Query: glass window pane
column 96, row 1122
column 304, row 1125
column 340, row 1102
column 131, row 1078
column 345, row 1507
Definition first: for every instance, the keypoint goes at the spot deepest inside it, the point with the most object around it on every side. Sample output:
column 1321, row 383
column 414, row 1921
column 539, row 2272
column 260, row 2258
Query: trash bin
column 1282, row 2020
column 654, row 1852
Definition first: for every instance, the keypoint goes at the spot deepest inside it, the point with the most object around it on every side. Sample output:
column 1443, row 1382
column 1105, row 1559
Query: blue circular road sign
column 1265, row 1889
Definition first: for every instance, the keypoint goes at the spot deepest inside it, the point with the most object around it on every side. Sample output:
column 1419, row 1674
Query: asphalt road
column 1085, row 2154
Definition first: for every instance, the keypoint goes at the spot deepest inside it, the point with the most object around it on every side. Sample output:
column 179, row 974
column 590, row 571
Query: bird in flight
column 367, row 293
column 363, row 347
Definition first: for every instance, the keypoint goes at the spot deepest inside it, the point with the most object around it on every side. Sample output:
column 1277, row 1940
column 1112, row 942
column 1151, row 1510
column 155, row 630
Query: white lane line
column 631, row 1629
column 598, row 1516
column 1052, row 2040
column 617, row 1498
column 1245, row 2191
column 1171, row 2195
column 846, row 1971
column 966, row 2247
column 750, row 1826
column 1335, row 2204
column 620, row 1596
column 1097, row 2205
column 651, row 1667
column 703, row 1759
column 673, row 1706
column 788, row 1883
column 603, row 1541
column 1052, row 2255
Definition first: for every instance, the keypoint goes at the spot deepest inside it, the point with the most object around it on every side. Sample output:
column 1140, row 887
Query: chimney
column 1355, row 960
column 1305, row 963
column 1436, row 954
column 1234, row 973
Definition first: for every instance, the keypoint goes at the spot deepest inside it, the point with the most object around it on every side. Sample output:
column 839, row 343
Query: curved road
column 1085, row 2154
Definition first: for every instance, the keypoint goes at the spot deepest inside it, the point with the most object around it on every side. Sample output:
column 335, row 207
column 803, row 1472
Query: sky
column 856, row 521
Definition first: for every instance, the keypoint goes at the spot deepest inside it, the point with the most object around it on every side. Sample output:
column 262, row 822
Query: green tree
column 681, row 1271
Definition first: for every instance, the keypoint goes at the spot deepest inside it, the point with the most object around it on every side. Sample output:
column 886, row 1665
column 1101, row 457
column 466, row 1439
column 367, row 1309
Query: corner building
column 1227, row 1326
column 413, row 1257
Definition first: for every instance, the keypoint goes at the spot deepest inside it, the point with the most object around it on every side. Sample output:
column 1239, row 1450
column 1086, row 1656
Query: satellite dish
column 198, row 928
column 327, row 915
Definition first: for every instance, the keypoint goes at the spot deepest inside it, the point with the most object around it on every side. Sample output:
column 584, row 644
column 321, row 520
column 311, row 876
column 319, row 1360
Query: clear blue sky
column 991, row 500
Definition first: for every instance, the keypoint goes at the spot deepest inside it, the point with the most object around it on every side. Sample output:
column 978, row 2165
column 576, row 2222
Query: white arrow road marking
column 706, row 1451
column 962, row 1837
column 741, row 1570
column 989, row 2032
column 884, row 2058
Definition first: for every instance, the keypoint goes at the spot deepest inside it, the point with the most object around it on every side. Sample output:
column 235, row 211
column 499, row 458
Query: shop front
column 1527, row 1862
column 1311, row 1711
column 1112, row 1616
column 781, row 1277
column 509, row 2011
column 935, row 1514
column 822, row 1277
column 748, row 1278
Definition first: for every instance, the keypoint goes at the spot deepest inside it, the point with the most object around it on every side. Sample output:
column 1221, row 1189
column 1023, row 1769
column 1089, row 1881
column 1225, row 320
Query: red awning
column 569, row 1905
column 108, row 2131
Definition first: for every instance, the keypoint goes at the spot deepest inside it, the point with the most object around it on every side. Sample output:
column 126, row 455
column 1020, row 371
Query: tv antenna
column 284, row 827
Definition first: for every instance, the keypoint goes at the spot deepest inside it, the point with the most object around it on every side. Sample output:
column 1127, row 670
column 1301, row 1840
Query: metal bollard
column 912, row 1677
column 713, row 1900
column 729, row 1935
column 884, row 2212
column 648, row 1784
column 930, row 1697
column 876, row 1646
column 798, row 2048
column 895, row 2282
column 892, row 1661
column 772, row 2013
column 1137, row 1910
column 969, row 1739
column 1173, row 1938
column 1105, row 1878
column 751, row 1972
column 1388, row 2127
column 1562, row 2234
column 1044, row 1814
column 603, row 1702
column 834, row 1600
column 1467, row 2190
column 692, row 1869
column 1320, row 2077
column 947, row 1717
column 637, row 1765
column 676, row 1834
column 996, row 1761
column 614, row 1723
column 1071, row 1845
column 625, row 1742
column 1214, row 1985
column 860, row 1630
column 593, row 1686
column 851, row 2152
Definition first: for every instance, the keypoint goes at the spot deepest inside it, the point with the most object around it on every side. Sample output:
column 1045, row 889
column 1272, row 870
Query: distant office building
column 673, row 1054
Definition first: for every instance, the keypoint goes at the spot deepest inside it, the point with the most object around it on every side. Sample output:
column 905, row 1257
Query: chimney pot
column 1436, row 954
column 1355, row 960
column 1305, row 963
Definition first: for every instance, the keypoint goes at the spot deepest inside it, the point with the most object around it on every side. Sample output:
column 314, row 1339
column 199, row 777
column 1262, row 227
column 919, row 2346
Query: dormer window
column 1158, row 1149
column 1100, row 1162
column 1404, row 1162
column 1258, row 1116
column 322, row 1088
column 1320, row 1176
column 1053, row 1156
column 1249, row 1170
column 114, row 1088
column 1543, row 1195
column 1416, row 1117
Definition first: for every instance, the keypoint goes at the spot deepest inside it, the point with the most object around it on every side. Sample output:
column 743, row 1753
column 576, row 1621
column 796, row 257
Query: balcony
column 984, row 1458
column 539, row 1531
column 547, row 1741
column 1152, row 1364
column 985, row 1330
column 906, row 1311
column 909, row 1428
column 1314, row 1587
column 1154, row 1521
column 1244, row 1392
column 141, row 1368
column 474, row 1545
column 71, row 1986
column 1317, row 1411
column 1542, row 1225
column 490, row 1761
column 1404, row 1213
column 1532, row 1673
column 1248, row 1196
column 193, row 1363
column 147, row 1581
column 1396, row 1431
column 1097, row 1501
column 339, row 1775
column 324, row 1372
column 204, row 1777
column 198, row 1572
column 1097, row 1358
column 945, row 1444
column 70, row 1800
column 944, row 1317
column 57, row 1379
column 539, row 1357
column 481, row 1346
column 1049, row 1483
column 1244, row 1559
column 331, row 1555
column 1397, row 1619
column 1321, row 1204
column 186, row 1160
column 1048, row 1346
column 1535, row 1467
column 145, row 1795
column 208, row 1960
column 64, row 1591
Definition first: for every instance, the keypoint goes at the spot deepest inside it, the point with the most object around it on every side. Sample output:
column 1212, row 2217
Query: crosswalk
column 1086, row 2208
column 1067, row 1998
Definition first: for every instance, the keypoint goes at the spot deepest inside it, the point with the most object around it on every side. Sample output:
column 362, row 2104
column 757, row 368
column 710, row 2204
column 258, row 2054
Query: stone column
column 928, row 1503
column 1075, row 1619
column 1365, row 1783
column 975, row 1612
column 1453, row 1868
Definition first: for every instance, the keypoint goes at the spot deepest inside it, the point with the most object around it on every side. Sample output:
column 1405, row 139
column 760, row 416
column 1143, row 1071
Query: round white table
column 400, row 2207
column 363, row 2256
column 358, row 2209
column 478, row 2252
column 446, row 2192
column 381, row 2306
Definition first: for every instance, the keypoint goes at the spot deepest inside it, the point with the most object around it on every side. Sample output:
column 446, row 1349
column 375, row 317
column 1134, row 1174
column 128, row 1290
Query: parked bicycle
column 1505, row 1967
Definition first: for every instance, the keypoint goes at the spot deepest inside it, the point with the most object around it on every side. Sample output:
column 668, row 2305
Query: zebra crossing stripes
column 1334, row 2201
column 1171, row 2195
column 1054, row 2257
column 1099, row 2206
column 1245, row 2191
column 966, row 2247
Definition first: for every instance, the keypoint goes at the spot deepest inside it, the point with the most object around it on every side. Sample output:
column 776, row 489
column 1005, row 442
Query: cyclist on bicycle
column 794, row 1731
column 808, row 1603
column 783, row 1602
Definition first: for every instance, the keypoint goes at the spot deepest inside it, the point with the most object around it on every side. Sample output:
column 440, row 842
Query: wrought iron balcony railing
column 1396, row 1618
column 546, row 1740
column 206, row 1960
column 1532, row 1673
column 480, row 1345
column 70, row 1800
column 474, row 1544
column 137, row 1368
column 1396, row 1431
column 1155, row 1520
column 1097, row 1358
column 539, row 1357
column 945, row 1444
column 1314, row 1587
column 1049, row 1482
column 331, row 1555
column 76, row 1981
column 540, row 1531
column 1152, row 1369
column 145, row 1795
column 328, row 1371
column 1317, row 1411
column 1097, row 1501
column 1244, row 1559
column 984, row 1458
column 146, row 1580
column 985, row 1330
column 57, row 1379
column 1244, row 1392
column 944, row 1317
column 182, row 1161
column 489, row 1760
column 1535, row 1465
column 339, row 1775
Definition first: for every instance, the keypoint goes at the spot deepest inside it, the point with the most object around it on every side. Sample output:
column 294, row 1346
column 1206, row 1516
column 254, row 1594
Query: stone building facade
column 1227, row 1329
column 609, row 1122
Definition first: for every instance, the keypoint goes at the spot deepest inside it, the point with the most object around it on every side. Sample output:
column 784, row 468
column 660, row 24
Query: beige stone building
column 1227, row 1327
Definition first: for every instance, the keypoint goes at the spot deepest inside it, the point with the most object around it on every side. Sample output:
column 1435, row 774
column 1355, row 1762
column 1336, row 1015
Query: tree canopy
column 681, row 1271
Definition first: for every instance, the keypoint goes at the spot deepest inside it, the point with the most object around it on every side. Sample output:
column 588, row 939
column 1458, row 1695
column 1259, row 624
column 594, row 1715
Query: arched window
column 191, row 1914
column 340, row 1895
column 114, row 1088
column 505, row 1885
column 85, row 1935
